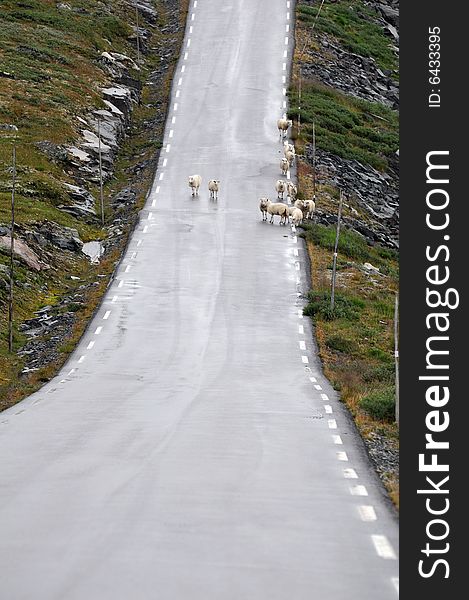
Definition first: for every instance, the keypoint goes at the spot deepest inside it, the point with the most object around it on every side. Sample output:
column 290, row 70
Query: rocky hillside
column 347, row 62
column 69, row 73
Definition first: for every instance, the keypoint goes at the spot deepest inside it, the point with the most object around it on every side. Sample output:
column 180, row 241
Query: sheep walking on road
column 292, row 190
column 284, row 166
column 309, row 208
column 281, row 188
column 213, row 186
column 194, row 184
column 282, row 126
column 290, row 156
column 296, row 215
column 263, row 208
column 277, row 208
column 287, row 147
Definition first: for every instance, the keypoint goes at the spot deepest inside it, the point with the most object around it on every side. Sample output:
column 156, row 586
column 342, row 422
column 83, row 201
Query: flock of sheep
column 300, row 209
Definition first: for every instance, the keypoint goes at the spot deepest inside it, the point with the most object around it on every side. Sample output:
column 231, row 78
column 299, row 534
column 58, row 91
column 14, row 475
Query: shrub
column 341, row 344
column 345, row 307
column 380, row 404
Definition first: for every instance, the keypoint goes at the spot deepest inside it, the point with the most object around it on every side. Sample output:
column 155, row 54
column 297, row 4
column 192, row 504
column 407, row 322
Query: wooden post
column 396, row 352
column 299, row 102
column 101, row 196
column 314, row 162
column 334, row 260
column 12, row 247
column 138, row 33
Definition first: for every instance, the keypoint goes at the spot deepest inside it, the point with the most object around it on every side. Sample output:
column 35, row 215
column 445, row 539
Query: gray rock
column 65, row 238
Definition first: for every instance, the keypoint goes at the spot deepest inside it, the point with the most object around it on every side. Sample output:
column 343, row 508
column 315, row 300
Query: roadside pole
column 138, row 33
column 334, row 260
column 396, row 352
column 314, row 162
column 299, row 102
column 101, row 196
column 12, row 247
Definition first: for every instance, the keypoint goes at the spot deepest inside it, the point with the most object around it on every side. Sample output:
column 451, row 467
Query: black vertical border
column 425, row 129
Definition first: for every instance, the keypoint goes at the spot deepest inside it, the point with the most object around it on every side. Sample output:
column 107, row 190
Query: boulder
column 23, row 252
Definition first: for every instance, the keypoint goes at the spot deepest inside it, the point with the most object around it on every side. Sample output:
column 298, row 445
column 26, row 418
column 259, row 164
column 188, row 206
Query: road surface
column 191, row 448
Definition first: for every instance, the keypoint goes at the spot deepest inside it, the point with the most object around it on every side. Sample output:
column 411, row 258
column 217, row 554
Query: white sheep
column 213, row 186
column 309, row 208
column 290, row 156
column 287, row 147
column 281, row 188
column 194, row 184
column 284, row 166
column 296, row 215
column 263, row 207
column 282, row 126
column 277, row 208
column 292, row 190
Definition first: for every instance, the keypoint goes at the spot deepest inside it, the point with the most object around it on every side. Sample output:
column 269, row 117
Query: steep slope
column 69, row 72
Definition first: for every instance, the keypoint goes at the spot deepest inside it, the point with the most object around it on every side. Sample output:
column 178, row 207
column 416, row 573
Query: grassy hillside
column 52, row 74
column 356, row 339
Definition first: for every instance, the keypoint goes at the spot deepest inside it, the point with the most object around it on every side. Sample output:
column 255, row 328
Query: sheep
column 284, row 166
column 290, row 156
column 292, row 190
column 277, row 208
column 309, row 208
column 282, row 126
column 263, row 207
column 194, row 184
column 213, row 186
column 281, row 188
column 287, row 147
column 296, row 215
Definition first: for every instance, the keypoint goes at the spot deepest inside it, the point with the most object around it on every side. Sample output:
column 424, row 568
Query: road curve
column 191, row 448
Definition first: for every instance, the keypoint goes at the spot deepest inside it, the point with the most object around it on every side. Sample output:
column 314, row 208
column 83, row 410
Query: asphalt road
column 191, row 447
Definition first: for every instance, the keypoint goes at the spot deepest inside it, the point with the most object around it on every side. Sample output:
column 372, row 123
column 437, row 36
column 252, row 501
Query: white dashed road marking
column 367, row 513
column 332, row 424
column 171, row 133
column 350, row 474
column 359, row 490
column 337, row 440
column 81, row 359
column 342, row 456
column 106, row 315
column 90, row 345
column 302, row 345
column 328, row 409
column 161, row 176
column 305, row 360
column 383, row 547
column 98, row 330
column 301, row 329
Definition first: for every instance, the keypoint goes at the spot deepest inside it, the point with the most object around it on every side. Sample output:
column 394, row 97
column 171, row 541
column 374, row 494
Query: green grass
column 353, row 25
column 348, row 127
column 352, row 246
column 380, row 404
